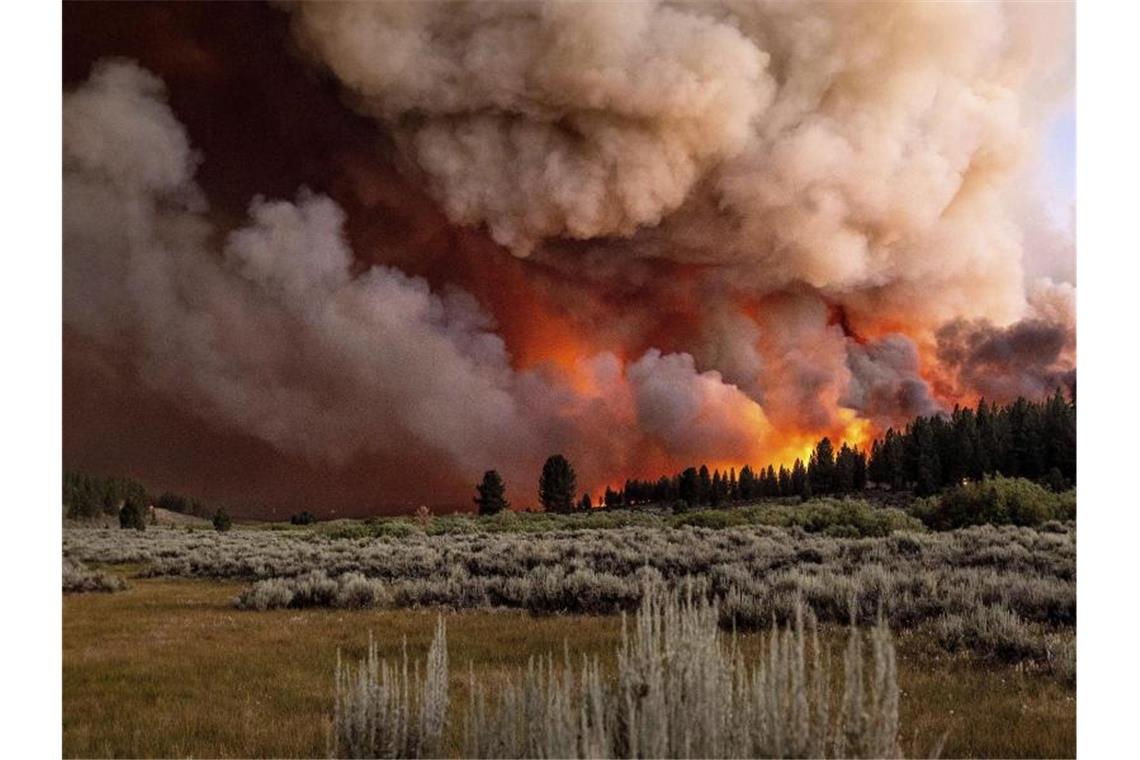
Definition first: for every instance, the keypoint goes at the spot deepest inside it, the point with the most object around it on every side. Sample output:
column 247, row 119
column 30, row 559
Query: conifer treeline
column 87, row 495
column 1034, row 440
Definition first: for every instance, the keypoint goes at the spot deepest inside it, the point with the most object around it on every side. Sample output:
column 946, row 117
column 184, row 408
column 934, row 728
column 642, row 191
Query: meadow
column 226, row 643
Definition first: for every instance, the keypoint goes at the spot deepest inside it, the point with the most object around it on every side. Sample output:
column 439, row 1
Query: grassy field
column 170, row 668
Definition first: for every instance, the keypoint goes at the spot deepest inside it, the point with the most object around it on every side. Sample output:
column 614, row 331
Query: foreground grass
column 169, row 668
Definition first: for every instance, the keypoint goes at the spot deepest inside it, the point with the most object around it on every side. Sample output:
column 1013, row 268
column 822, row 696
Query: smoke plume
column 269, row 330
column 733, row 228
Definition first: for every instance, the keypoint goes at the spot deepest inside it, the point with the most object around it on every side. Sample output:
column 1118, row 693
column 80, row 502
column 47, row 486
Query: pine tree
column 490, row 494
column 843, row 481
column 747, row 483
column 926, row 465
column 705, row 494
column 585, row 504
column 689, row 486
column 785, row 481
column 771, row 483
column 557, row 485
column 860, row 478
column 821, row 467
column 799, row 478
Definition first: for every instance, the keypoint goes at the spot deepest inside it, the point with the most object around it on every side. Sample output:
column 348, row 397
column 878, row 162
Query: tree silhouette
column 557, row 485
column 131, row 515
column 799, row 479
column 490, row 494
column 705, row 493
column 821, row 467
column 689, row 486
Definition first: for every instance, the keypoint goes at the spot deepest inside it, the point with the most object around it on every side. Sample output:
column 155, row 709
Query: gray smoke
column 1032, row 357
column 267, row 331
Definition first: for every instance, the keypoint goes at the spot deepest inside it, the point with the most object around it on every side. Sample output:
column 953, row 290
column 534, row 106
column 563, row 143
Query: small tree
column 222, row 521
column 491, row 492
column 132, row 516
column 585, row 504
column 557, row 485
column 303, row 518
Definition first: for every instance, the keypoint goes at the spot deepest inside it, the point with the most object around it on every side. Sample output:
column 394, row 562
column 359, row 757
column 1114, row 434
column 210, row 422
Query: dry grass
column 169, row 668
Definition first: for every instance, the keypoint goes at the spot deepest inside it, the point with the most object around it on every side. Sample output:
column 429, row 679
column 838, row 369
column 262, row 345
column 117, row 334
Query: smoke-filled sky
column 347, row 257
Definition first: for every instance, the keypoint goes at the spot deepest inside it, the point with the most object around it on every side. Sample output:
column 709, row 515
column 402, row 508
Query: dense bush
column 303, row 518
column 132, row 515
column 681, row 690
column 222, row 521
column 996, row 501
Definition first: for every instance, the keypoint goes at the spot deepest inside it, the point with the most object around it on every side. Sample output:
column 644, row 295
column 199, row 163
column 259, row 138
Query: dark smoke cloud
column 886, row 384
column 1031, row 357
column 1000, row 364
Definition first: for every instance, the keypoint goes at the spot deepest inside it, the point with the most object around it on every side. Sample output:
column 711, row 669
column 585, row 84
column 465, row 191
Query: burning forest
column 365, row 252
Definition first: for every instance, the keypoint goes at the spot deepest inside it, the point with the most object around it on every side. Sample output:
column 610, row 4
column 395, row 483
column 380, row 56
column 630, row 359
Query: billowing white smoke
column 554, row 119
column 268, row 332
column 863, row 149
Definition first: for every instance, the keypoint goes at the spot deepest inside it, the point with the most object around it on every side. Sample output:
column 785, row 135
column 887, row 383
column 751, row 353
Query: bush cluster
column 996, row 501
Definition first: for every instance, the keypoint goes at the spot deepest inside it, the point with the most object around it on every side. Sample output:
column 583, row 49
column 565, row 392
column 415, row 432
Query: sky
column 1061, row 152
column 347, row 257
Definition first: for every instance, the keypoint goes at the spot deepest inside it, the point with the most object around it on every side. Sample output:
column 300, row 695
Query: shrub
column 990, row 631
column 423, row 516
column 303, row 518
column 222, row 521
column 392, row 529
column 78, row 578
column 266, row 595
column 450, row 525
column 997, row 501
column 381, row 710
column 710, row 518
column 681, row 690
column 1062, row 655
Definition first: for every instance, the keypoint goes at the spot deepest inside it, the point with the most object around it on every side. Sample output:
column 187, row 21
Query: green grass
column 168, row 668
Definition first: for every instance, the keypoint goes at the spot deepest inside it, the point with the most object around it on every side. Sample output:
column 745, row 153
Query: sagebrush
column 680, row 690
column 911, row 577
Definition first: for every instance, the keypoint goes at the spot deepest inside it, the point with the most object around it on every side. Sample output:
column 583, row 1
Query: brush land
column 174, row 665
